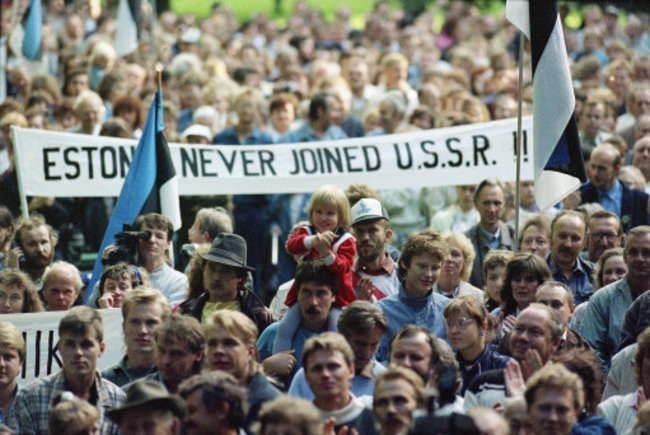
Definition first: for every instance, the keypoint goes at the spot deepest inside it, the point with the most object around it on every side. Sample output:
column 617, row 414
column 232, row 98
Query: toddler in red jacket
column 327, row 238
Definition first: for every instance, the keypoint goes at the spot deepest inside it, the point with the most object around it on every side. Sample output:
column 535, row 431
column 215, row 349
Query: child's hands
column 322, row 242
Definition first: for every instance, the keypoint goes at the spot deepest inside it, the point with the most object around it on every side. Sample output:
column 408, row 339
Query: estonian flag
column 33, row 30
column 126, row 30
column 150, row 185
column 559, row 168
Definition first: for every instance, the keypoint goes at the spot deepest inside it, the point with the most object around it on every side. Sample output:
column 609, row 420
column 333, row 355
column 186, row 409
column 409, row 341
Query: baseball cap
column 367, row 209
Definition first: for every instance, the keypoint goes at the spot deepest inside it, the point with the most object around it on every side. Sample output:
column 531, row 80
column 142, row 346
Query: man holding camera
column 152, row 255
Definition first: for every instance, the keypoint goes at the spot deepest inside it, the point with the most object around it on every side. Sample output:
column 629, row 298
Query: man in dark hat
column 148, row 405
column 218, row 281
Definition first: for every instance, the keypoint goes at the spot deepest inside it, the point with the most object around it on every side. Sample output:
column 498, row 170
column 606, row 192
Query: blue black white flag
column 559, row 167
column 151, row 184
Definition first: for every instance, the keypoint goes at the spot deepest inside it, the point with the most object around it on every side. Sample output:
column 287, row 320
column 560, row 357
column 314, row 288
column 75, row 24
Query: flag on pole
column 150, row 185
column 126, row 30
column 559, row 167
column 33, row 30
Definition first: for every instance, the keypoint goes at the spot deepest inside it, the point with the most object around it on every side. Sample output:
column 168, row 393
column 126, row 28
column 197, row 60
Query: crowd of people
column 394, row 311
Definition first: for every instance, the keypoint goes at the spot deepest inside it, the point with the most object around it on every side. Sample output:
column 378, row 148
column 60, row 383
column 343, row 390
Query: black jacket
column 249, row 304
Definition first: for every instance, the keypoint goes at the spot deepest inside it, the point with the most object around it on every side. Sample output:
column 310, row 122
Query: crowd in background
column 540, row 326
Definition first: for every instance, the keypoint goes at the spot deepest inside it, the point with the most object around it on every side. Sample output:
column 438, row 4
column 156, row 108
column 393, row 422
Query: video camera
column 126, row 245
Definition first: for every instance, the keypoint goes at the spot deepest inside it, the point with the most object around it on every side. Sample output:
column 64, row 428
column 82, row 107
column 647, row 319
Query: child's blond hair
column 333, row 196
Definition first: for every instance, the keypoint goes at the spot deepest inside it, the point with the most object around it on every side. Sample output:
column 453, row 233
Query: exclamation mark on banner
column 524, row 146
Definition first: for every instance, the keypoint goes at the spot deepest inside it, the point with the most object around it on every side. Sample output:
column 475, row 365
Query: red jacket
column 344, row 249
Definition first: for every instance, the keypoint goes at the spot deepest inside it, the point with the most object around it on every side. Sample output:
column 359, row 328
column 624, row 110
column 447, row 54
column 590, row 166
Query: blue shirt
column 493, row 239
column 362, row 385
column 401, row 309
column 266, row 339
column 306, row 134
column 612, row 198
column 580, row 282
column 229, row 137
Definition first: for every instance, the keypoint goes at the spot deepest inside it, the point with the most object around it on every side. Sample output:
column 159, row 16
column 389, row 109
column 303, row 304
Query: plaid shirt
column 29, row 412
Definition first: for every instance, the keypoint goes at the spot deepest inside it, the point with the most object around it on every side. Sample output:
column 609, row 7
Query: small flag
column 126, row 30
column 559, row 167
column 151, row 184
column 33, row 30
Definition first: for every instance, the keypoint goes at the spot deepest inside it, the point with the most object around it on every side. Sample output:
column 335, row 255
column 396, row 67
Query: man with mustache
column 568, row 230
column 374, row 273
column 601, row 325
column 34, row 242
column 317, row 288
column 143, row 309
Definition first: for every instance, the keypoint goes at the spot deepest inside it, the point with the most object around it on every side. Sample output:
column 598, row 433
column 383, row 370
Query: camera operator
column 152, row 254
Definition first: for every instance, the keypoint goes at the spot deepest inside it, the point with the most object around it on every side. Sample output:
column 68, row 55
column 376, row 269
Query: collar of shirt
column 367, row 371
column 611, row 199
column 452, row 295
column 387, row 267
column 492, row 238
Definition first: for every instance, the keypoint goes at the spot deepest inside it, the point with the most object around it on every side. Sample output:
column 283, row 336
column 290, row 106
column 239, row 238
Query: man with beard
column 143, row 309
column 61, row 286
column 34, row 242
column 398, row 392
column 374, row 273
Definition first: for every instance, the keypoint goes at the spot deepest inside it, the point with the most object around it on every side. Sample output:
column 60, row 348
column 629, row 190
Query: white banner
column 41, row 333
column 67, row 164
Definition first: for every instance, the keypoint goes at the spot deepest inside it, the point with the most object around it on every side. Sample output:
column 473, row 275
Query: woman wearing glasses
column 465, row 319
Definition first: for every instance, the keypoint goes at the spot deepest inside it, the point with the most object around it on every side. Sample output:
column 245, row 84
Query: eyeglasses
column 599, row 236
column 460, row 323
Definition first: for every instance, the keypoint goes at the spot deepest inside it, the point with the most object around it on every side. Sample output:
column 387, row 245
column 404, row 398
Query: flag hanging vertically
column 559, row 167
column 150, row 184
column 126, row 30
column 33, row 30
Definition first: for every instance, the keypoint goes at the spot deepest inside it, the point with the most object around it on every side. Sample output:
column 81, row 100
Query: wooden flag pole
column 159, row 70
column 519, row 134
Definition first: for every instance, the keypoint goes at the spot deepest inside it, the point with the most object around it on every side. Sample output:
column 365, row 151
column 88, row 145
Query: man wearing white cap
column 374, row 274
